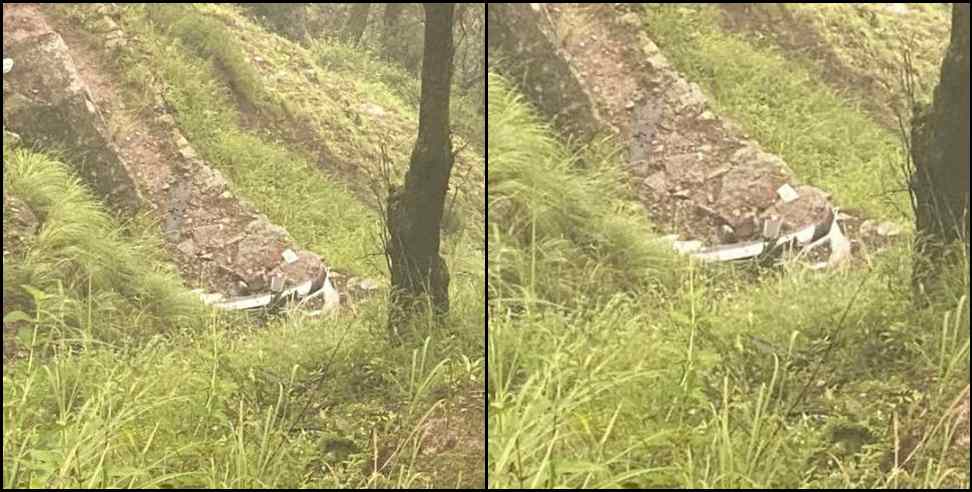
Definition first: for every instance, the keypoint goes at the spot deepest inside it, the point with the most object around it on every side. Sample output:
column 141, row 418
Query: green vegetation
column 79, row 271
column 827, row 141
column 123, row 379
column 331, row 220
column 127, row 381
column 553, row 228
column 866, row 37
column 612, row 364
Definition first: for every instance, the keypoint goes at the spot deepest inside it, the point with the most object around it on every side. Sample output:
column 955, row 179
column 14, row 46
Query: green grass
column 826, row 140
column 678, row 376
column 555, row 228
column 868, row 38
column 279, row 181
column 80, row 268
column 125, row 380
column 330, row 219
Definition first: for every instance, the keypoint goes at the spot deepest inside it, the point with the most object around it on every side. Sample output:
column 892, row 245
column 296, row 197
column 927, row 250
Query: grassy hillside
column 828, row 140
column 123, row 379
column 613, row 364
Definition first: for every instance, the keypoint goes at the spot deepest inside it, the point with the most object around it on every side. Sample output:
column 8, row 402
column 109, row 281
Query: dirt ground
column 220, row 242
column 696, row 172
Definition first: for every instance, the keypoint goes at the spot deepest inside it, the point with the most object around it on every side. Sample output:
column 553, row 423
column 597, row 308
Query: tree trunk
column 357, row 23
column 287, row 19
column 420, row 277
column 390, row 30
column 940, row 151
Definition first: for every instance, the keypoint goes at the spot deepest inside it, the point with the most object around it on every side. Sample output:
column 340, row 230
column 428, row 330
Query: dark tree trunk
column 357, row 23
column 420, row 277
column 390, row 30
column 287, row 19
column 940, row 150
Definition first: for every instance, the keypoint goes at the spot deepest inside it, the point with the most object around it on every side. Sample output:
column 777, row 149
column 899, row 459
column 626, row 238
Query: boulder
column 811, row 207
column 747, row 191
column 48, row 105
column 547, row 77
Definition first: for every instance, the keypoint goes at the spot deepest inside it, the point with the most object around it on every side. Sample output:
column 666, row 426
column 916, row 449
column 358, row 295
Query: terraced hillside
column 158, row 157
column 616, row 360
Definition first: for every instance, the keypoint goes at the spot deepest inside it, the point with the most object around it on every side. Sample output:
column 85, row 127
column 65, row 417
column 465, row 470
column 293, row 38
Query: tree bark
column 420, row 277
column 357, row 23
column 940, row 151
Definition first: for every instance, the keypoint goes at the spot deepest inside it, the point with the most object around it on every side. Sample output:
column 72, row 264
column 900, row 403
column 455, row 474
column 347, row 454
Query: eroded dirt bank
column 64, row 95
column 698, row 174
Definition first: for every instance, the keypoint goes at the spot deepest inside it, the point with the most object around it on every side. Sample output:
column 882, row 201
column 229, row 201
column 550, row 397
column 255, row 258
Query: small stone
column 787, row 193
column 289, row 256
column 867, row 227
column 656, row 182
column 718, row 173
column 373, row 110
column 368, row 284
column 188, row 153
column 187, row 247
column 105, row 25
column 629, row 105
column 115, row 42
column 888, row 229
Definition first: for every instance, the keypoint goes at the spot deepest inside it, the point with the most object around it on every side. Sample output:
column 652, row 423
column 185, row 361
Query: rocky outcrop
column 697, row 173
column 62, row 97
column 47, row 104
column 519, row 34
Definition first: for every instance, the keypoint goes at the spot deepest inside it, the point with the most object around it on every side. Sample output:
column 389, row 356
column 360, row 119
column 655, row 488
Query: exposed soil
column 455, row 438
column 452, row 441
column 695, row 171
column 219, row 242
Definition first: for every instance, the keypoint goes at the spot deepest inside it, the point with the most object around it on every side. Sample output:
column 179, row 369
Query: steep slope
column 217, row 400
column 610, row 371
